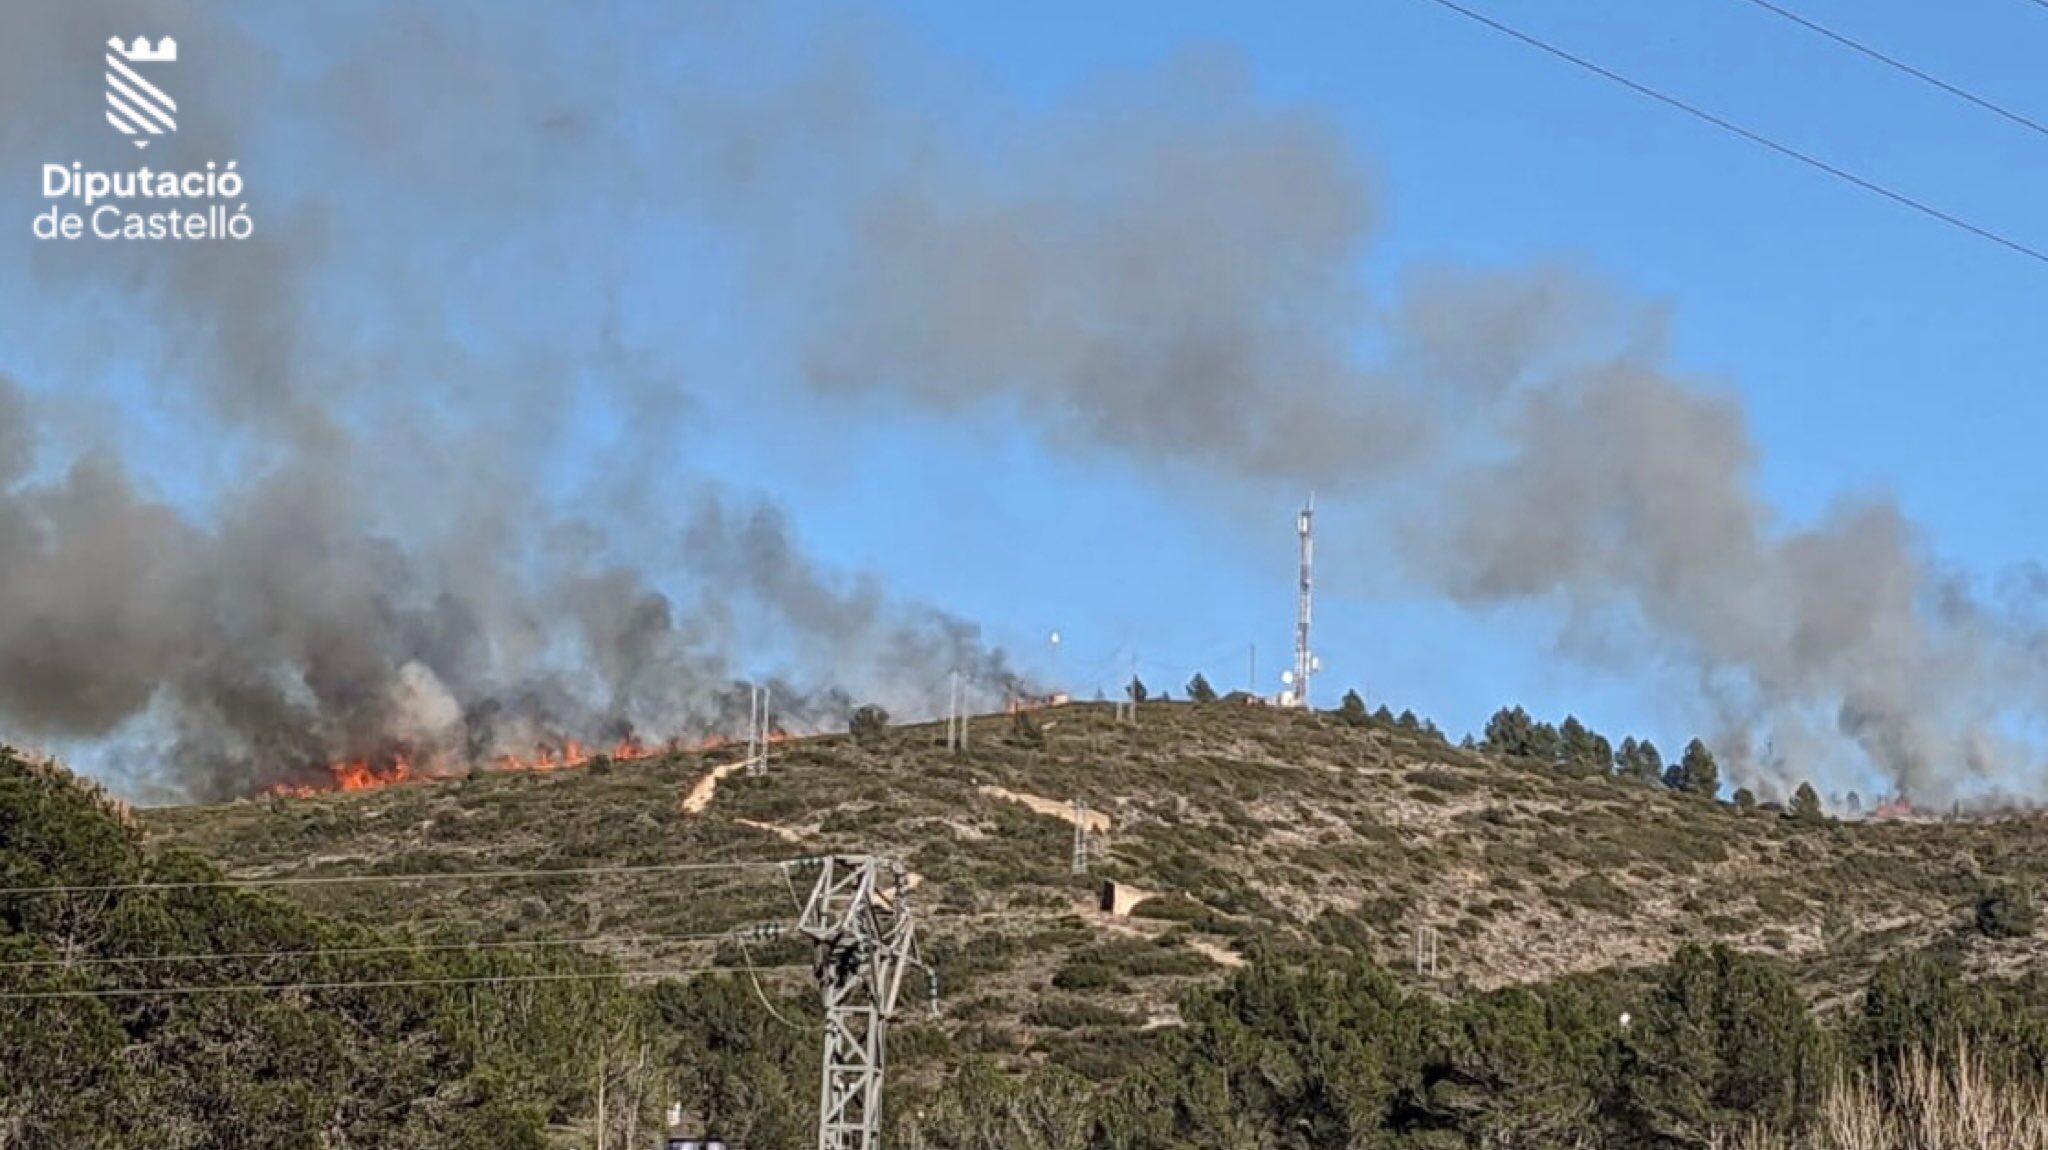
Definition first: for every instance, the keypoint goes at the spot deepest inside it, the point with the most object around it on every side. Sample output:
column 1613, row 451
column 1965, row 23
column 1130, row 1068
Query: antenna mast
column 1305, row 662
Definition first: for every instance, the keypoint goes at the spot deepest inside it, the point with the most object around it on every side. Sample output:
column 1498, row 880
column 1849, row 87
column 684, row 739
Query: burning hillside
column 400, row 764
column 404, row 765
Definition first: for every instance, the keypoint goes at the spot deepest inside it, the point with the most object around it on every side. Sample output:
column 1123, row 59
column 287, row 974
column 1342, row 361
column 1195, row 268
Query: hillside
column 1258, row 830
column 145, row 1001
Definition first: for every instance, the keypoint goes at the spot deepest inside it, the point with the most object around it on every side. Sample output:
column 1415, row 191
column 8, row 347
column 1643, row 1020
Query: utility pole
column 1425, row 943
column 1080, row 837
column 758, row 707
column 1251, row 669
column 860, row 919
column 956, row 717
column 600, row 1094
column 753, row 723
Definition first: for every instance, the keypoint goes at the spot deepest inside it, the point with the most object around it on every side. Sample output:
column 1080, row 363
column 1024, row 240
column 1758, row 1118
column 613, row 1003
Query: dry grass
column 1924, row 1103
column 1249, row 822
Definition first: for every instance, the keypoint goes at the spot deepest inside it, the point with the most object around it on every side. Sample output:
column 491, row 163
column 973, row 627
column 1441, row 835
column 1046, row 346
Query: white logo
column 138, row 108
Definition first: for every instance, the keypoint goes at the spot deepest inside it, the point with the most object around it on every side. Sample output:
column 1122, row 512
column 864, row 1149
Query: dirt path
column 1098, row 823
column 700, row 796
column 1222, row 955
column 784, row 833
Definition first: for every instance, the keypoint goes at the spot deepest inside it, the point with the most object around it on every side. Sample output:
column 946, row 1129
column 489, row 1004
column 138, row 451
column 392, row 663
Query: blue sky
column 1872, row 350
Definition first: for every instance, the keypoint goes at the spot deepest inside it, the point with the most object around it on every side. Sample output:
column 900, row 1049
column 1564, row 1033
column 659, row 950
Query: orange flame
column 353, row 775
column 363, row 774
column 572, row 753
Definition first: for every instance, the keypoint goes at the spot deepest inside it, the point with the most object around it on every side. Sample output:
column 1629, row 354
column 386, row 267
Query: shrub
column 1169, row 908
column 2006, row 911
column 1086, row 976
column 868, row 724
column 1025, row 731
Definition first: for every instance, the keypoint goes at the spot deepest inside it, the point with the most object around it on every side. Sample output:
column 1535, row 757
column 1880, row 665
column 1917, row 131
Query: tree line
column 1331, row 1053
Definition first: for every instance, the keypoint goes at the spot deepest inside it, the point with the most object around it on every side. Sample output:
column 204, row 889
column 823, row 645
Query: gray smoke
column 1170, row 271
column 1165, row 268
column 288, row 636
column 353, row 533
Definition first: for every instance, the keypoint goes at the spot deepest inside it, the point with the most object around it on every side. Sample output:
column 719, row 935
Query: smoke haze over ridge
column 1161, row 269
column 383, row 548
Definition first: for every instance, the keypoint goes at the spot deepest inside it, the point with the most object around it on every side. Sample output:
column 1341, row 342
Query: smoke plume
column 362, row 536
column 1171, row 272
column 309, row 503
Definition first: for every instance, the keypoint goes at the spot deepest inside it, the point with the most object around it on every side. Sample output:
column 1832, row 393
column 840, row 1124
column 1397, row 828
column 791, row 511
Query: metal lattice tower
column 1305, row 662
column 1425, row 951
column 1080, row 837
column 859, row 916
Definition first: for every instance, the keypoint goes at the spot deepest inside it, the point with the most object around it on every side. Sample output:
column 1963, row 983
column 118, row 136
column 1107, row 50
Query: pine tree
column 1696, row 773
column 1508, row 731
column 1137, row 691
column 1199, row 690
column 1649, row 762
column 1352, row 709
column 1581, row 746
column 1805, row 805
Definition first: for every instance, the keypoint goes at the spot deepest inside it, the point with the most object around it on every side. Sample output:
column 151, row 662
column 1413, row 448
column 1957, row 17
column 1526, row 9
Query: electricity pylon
column 1080, row 837
column 1425, row 951
column 859, row 916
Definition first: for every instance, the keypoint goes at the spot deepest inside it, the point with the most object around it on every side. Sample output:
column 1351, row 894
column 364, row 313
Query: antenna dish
column 1287, row 677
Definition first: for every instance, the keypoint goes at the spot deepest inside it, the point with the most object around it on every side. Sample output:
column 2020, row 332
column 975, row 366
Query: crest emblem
column 136, row 107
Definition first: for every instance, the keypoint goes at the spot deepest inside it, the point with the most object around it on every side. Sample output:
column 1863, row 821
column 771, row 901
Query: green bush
column 2006, row 911
column 868, row 724
column 1074, row 1014
column 1086, row 976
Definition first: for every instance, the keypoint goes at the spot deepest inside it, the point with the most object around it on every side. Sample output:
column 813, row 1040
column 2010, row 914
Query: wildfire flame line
column 399, row 766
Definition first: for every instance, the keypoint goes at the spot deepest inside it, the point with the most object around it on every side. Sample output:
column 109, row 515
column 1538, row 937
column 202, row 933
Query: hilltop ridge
column 1252, row 828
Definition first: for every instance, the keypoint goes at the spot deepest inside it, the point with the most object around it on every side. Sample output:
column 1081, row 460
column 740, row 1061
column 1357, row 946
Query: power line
column 357, row 951
column 1894, row 62
column 424, row 876
column 1756, row 138
column 474, row 980
column 739, row 934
